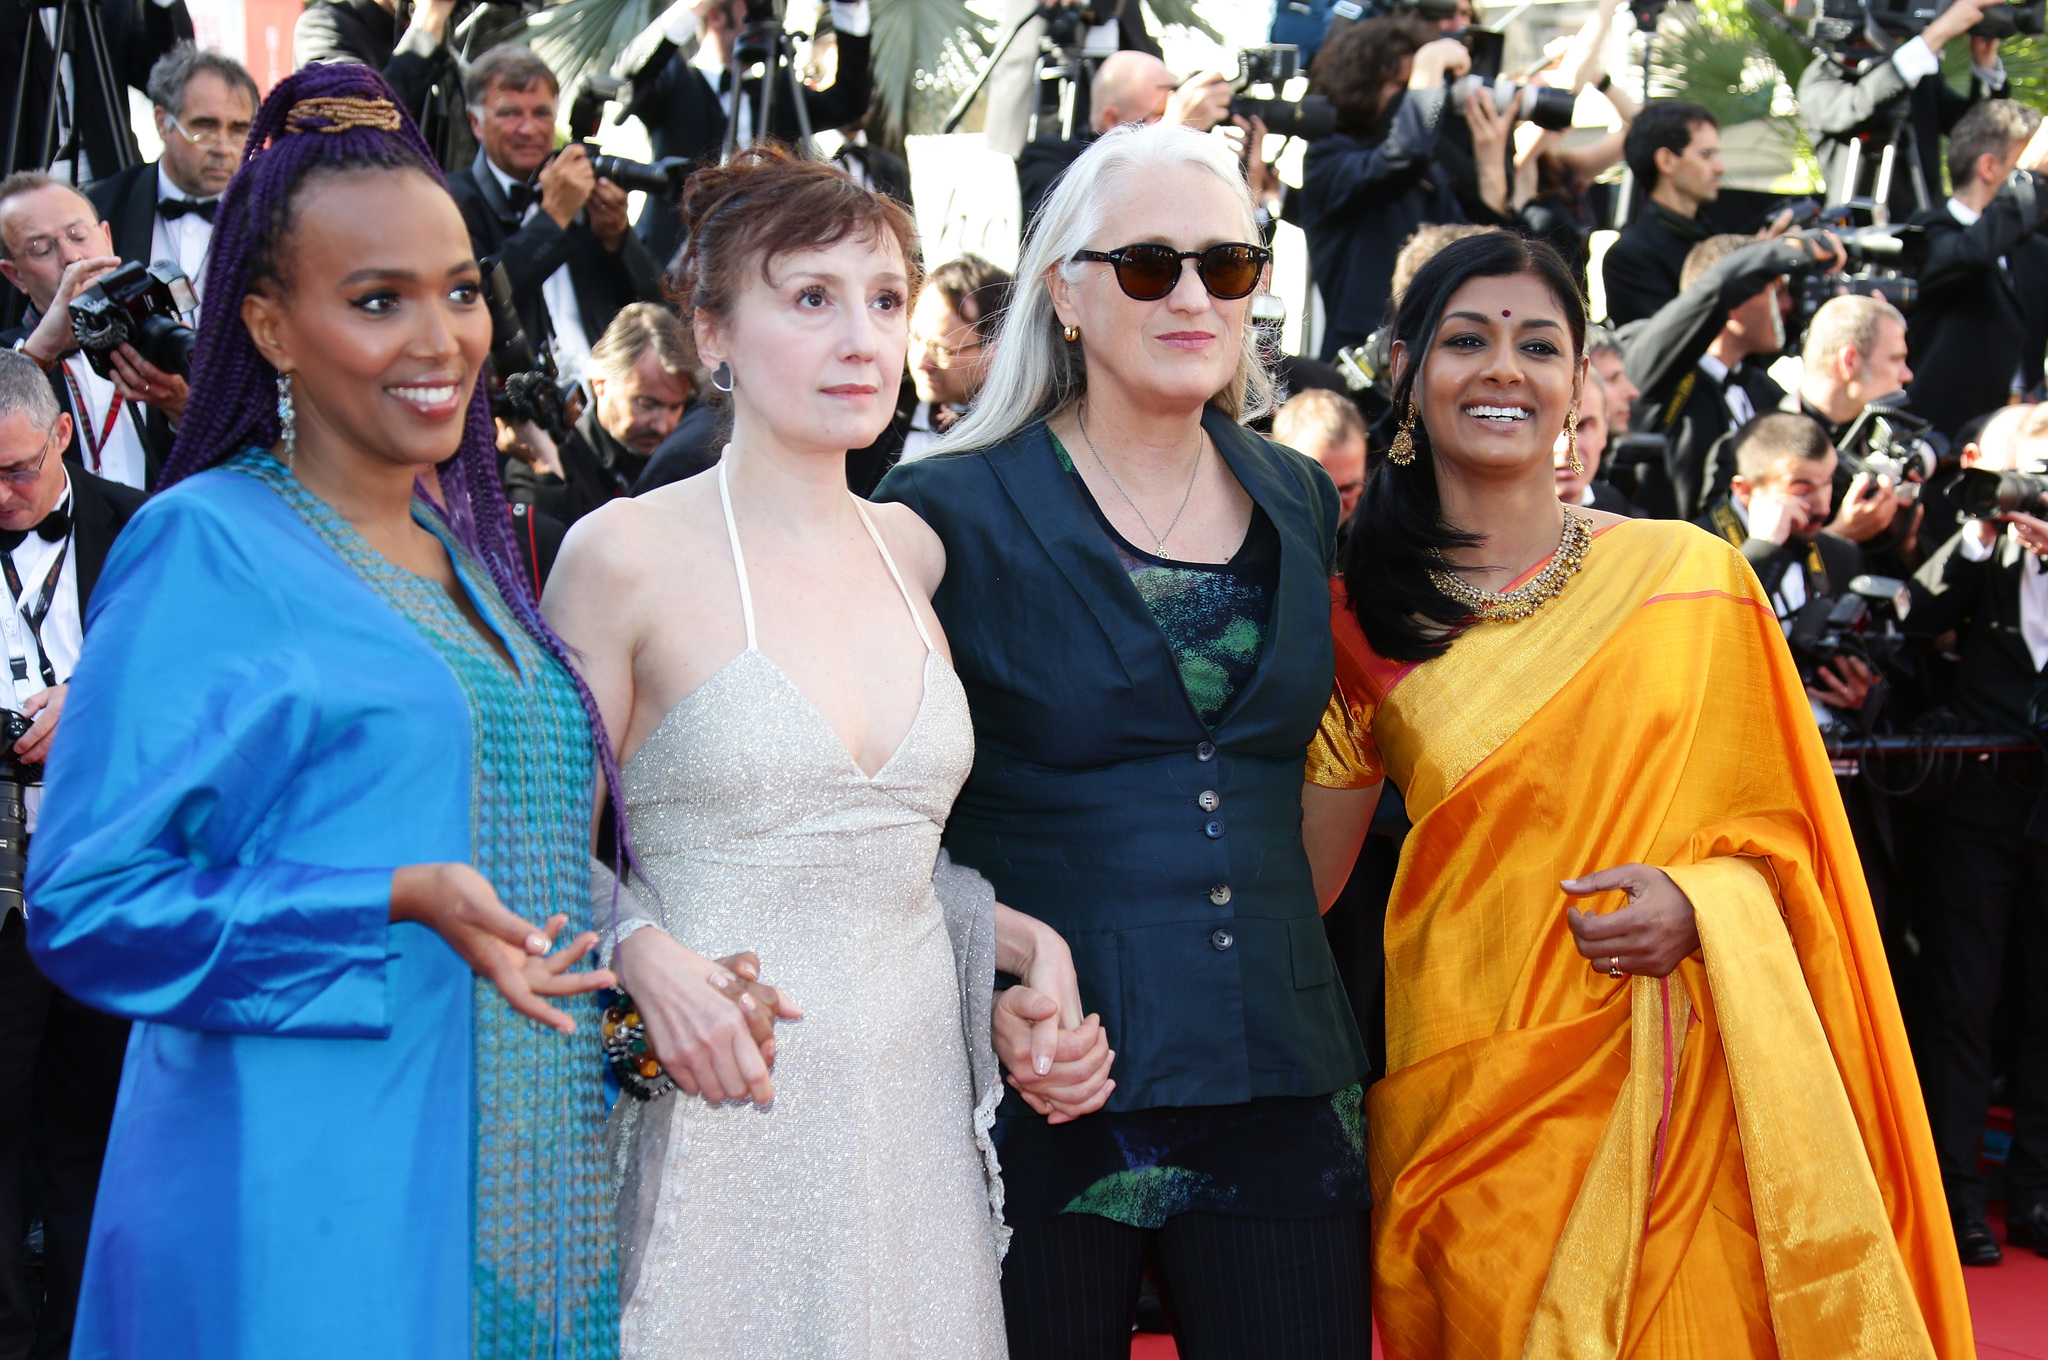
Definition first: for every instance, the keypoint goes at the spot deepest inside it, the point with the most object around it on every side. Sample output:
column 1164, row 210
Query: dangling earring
column 721, row 377
column 1072, row 333
column 1402, row 452
column 1571, row 441
column 287, row 419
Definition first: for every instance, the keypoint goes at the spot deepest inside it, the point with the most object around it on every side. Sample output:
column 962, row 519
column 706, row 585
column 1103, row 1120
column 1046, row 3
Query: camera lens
column 1982, row 494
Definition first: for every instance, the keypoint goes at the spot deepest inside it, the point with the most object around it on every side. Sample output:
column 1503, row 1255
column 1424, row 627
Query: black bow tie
column 520, row 196
column 171, row 209
column 53, row 529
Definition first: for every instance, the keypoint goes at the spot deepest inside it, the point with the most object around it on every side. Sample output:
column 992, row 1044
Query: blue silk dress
column 331, row 1139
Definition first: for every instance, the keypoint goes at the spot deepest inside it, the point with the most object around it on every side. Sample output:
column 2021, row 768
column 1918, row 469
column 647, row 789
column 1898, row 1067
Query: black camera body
column 1881, row 263
column 1273, row 65
column 524, row 383
column 140, row 305
column 1863, row 622
column 1981, row 494
column 1887, row 440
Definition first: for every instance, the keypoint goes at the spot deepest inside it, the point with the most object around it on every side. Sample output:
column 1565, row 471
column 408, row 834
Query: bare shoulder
column 1603, row 519
column 919, row 553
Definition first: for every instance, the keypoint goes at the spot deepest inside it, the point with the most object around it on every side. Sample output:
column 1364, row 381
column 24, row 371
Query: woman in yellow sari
column 1647, row 1092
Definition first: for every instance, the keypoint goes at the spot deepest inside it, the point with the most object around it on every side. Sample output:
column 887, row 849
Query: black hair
column 1663, row 125
column 1399, row 528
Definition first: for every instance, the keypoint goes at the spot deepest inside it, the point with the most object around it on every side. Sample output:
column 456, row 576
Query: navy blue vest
column 1191, row 917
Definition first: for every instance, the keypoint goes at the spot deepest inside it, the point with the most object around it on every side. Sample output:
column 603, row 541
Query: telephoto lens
column 1983, row 494
column 15, row 777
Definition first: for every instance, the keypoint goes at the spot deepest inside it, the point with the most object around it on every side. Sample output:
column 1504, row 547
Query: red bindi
column 1507, row 313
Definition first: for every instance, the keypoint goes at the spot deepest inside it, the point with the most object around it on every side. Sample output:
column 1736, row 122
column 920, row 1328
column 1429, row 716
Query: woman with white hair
column 1137, row 596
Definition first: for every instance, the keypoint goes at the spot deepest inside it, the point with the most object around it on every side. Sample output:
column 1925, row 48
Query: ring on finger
column 1614, row 966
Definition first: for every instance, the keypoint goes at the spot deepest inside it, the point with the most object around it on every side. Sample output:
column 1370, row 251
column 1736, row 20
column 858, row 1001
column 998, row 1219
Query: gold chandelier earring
column 1402, row 452
column 1571, row 441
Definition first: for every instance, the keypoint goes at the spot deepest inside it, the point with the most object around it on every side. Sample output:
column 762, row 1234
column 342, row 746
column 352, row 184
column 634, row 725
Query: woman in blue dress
column 321, row 800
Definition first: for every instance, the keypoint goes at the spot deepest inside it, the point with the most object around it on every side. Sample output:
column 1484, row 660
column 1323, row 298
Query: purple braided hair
column 234, row 403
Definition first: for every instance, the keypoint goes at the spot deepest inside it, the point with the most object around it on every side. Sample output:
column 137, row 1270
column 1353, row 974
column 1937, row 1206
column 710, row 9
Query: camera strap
column 34, row 614
column 93, row 445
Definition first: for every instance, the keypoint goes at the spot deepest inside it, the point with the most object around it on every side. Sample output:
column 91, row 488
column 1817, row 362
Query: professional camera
column 1862, row 622
column 1627, row 455
column 1886, row 440
column 1273, row 66
column 1880, row 261
column 525, row 387
column 15, row 779
column 587, row 98
column 1982, row 494
column 1548, row 108
column 140, row 305
column 1845, row 23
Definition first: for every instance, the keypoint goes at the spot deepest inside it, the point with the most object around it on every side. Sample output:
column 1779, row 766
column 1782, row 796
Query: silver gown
column 859, row 1215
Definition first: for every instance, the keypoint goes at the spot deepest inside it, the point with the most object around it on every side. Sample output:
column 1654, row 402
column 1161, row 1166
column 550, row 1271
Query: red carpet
column 2009, row 1304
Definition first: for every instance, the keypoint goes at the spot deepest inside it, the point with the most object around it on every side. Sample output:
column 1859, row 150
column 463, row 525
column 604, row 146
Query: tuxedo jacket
column 1831, row 562
column 1994, row 688
column 1983, row 308
column 100, row 509
column 604, row 280
column 157, row 434
column 127, row 204
column 137, row 33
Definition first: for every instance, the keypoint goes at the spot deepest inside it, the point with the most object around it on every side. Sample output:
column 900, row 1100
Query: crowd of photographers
column 1894, row 503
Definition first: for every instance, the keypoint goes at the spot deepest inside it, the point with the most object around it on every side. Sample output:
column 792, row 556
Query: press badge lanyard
column 93, row 446
column 32, row 615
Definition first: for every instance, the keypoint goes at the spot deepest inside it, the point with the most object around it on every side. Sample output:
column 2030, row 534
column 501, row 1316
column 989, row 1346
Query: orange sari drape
column 1534, row 1194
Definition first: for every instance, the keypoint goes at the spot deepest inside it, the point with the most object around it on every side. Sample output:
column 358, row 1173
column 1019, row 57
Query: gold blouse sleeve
column 1342, row 754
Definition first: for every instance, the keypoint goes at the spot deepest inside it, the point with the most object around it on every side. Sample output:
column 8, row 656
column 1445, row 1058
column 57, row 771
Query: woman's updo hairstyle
column 1399, row 525
column 766, row 203
column 330, row 119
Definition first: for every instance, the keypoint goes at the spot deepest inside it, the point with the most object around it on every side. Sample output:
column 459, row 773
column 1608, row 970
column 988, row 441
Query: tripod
column 1852, row 166
column 764, row 43
column 73, row 16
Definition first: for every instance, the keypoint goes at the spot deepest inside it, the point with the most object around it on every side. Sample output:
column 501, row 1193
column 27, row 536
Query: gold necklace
column 1510, row 606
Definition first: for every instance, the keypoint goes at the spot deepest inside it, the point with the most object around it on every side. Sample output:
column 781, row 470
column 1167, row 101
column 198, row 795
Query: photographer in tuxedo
column 53, row 247
column 1836, row 105
column 163, row 210
column 1700, row 360
column 1977, row 332
column 1988, row 860
column 558, row 230
column 60, row 1061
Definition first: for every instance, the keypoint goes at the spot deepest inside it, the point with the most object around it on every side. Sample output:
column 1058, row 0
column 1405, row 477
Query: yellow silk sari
column 1732, row 1162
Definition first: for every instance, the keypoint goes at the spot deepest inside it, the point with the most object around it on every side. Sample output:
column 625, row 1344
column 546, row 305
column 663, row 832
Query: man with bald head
column 1129, row 87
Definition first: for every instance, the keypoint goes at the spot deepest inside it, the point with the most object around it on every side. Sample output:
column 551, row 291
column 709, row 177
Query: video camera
column 1546, row 107
column 1273, row 66
column 1880, row 260
column 140, row 305
column 1843, row 24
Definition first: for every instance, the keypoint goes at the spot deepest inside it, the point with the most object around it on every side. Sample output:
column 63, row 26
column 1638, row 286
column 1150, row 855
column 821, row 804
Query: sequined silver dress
column 852, row 1219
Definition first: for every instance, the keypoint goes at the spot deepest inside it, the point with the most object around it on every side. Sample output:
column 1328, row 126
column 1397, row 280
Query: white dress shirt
column 185, row 239
column 1733, row 396
column 919, row 440
column 1916, row 61
column 571, row 345
column 121, row 458
column 63, row 631
column 2033, row 590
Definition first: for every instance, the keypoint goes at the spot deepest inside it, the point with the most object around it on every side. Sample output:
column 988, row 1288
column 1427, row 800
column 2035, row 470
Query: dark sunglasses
column 1148, row 273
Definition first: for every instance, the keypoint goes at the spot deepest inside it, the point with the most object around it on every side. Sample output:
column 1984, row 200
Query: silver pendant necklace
column 1081, row 416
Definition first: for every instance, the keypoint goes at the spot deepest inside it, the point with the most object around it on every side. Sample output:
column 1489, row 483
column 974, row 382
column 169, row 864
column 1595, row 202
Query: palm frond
column 1700, row 61
column 925, row 53
column 586, row 35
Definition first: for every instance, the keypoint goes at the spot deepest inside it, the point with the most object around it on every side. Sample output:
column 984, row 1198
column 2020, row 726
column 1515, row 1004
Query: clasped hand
column 710, row 1022
column 1058, row 1060
column 1649, row 935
